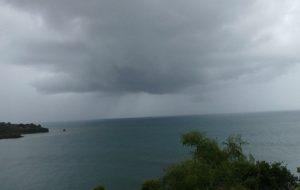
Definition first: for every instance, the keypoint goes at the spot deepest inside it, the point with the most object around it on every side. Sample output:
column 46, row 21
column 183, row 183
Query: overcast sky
column 75, row 59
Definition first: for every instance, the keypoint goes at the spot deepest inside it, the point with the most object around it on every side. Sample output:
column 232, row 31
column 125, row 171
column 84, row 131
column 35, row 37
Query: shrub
column 213, row 167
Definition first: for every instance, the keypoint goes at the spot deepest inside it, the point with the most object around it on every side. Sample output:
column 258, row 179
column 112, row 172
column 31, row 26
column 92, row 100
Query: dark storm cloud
column 143, row 46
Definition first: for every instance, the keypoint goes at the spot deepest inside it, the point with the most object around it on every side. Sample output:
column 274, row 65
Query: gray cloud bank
column 154, row 46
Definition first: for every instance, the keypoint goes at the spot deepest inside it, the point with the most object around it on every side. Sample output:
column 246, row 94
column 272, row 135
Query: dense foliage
column 226, row 167
column 214, row 167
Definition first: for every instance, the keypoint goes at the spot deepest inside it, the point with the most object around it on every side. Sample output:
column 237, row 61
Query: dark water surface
column 121, row 153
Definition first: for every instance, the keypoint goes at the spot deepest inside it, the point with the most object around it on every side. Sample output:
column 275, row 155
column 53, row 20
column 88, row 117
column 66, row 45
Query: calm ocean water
column 121, row 153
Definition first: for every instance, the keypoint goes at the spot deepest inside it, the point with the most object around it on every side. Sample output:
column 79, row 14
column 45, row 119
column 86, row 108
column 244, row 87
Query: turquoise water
column 121, row 153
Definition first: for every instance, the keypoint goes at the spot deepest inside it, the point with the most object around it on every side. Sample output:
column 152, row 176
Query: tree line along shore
column 9, row 130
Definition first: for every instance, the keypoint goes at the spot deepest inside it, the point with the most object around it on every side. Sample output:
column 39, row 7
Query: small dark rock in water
column 9, row 130
column 64, row 130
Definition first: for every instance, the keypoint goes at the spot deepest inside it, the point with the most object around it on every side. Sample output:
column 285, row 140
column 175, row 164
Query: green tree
column 213, row 167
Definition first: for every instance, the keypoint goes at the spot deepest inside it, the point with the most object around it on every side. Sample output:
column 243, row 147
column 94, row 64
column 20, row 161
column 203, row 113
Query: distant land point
column 9, row 130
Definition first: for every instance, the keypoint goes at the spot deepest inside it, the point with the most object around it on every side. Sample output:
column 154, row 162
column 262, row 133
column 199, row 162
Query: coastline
column 12, row 131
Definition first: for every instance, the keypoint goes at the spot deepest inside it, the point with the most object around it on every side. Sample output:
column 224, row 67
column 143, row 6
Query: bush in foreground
column 215, row 167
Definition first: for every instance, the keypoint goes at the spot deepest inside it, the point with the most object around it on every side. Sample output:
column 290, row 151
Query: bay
column 122, row 153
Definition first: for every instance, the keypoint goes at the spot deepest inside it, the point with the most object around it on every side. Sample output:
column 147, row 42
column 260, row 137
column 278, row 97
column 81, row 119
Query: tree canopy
column 221, row 167
column 215, row 167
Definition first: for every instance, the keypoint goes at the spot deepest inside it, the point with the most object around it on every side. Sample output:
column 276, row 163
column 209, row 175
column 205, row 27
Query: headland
column 9, row 130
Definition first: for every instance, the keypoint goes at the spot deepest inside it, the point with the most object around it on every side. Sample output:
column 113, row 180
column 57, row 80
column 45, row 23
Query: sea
column 121, row 153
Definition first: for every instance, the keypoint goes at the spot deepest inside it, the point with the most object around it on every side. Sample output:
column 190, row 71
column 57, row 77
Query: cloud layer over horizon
column 152, row 49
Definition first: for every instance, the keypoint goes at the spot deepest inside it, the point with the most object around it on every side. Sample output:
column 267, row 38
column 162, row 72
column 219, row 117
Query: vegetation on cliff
column 9, row 130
